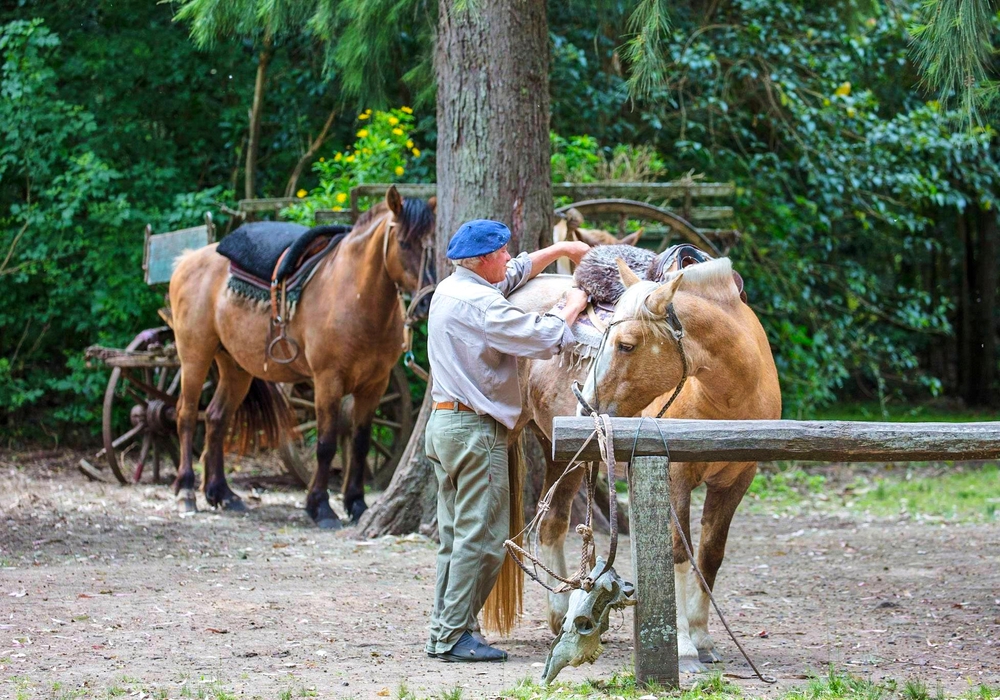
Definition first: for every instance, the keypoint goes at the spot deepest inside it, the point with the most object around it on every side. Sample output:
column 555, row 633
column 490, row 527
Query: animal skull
column 579, row 640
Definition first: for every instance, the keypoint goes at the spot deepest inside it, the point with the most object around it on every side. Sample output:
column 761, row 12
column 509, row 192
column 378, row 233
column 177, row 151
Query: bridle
column 676, row 331
column 408, row 311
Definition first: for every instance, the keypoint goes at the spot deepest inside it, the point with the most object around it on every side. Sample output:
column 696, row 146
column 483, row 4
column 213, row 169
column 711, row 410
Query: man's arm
column 540, row 259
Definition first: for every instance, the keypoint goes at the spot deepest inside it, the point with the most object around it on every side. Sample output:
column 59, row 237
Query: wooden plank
column 651, row 535
column 328, row 216
column 162, row 250
column 266, row 204
column 658, row 191
column 697, row 214
column 762, row 440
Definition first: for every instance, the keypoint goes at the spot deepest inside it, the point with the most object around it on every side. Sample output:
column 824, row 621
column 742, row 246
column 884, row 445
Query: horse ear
column 628, row 277
column 589, row 237
column 661, row 297
column 394, row 200
column 432, row 204
column 574, row 219
column 632, row 238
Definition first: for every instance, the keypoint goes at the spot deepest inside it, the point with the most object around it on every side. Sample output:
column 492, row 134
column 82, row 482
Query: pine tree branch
column 649, row 24
column 952, row 47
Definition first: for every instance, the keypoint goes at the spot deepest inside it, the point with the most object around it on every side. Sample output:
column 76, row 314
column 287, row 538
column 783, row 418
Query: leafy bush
column 382, row 152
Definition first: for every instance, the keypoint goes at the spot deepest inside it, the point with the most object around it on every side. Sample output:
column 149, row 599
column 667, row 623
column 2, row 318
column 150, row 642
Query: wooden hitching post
column 651, row 533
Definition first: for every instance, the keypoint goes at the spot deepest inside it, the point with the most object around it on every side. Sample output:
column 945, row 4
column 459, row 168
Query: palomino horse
column 731, row 377
column 348, row 326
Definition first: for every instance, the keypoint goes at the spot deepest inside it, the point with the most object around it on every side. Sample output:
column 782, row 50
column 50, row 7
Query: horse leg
column 354, row 480
column 234, row 383
column 553, row 528
column 720, row 505
column 680, row 498
column 328, row 397
column 194, row 370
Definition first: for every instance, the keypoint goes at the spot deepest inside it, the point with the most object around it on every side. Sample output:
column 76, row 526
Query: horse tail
column 506, row 601
column 264, row 420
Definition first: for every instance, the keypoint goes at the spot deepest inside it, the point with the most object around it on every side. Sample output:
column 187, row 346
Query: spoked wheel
column 145, row 378
column 391, row 430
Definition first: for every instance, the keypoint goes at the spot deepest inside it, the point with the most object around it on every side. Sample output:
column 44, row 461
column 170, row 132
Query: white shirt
column 475, row 336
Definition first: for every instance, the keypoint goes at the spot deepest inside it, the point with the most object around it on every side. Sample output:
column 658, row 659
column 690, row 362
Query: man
column 475, row 336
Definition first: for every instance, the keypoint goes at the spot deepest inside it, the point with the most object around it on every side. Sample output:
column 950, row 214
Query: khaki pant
column 469, row 453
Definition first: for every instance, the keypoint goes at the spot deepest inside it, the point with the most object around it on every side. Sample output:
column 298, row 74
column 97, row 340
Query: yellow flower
column 826, row 101
column 397, row 131
column 363, row 133
column 393, row 121
column 301, row 194
column 406, row 110
column 366, row 151
column 416, row 152
column 338, row 209
column 322, row 160
column 341, row 197
column 399, row 170
column 850, row 111
column 409, row 144
column 337, row 158
column 843, row 91
column 350, row 158
column 368, row 112
column 363, row 115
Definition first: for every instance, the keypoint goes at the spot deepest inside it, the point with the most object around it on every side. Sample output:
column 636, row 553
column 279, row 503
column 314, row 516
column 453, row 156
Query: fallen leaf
column 216, row 631
column 763, row 634
column 85, row 595
column 279, row 545
column 384, row 693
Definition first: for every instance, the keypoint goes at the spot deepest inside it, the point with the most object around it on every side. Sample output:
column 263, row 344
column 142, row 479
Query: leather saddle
column 257, row 248
column 683, row 255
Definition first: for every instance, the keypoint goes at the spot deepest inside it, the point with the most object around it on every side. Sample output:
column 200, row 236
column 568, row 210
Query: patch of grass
column 285, row 695
column 957, row 494
column 833, row 686
column 453, row 694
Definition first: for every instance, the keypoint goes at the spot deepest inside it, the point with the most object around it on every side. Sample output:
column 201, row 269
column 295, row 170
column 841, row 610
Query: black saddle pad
column 256, row 247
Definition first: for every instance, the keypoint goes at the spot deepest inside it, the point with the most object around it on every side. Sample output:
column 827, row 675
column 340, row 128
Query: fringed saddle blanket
column 257, row 255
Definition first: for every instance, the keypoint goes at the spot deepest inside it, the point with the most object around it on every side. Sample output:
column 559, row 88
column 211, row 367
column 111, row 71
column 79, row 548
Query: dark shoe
column 467, row 649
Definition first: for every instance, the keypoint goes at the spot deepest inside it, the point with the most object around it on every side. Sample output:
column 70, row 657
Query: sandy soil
column 104, row 587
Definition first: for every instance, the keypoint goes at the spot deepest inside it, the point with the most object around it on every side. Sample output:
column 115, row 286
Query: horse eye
column 625, row 347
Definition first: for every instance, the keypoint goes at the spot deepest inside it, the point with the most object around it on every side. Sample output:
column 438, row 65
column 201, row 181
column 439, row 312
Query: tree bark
column 492, row 64
column 256, row 110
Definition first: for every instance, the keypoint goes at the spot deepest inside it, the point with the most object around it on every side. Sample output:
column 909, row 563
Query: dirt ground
column 104, row 587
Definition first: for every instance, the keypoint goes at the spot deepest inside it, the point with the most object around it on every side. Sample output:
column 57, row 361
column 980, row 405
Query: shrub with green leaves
column 382, row 152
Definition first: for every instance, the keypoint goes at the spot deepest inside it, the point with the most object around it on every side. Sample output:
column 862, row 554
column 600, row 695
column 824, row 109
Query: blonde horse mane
column 712, row 280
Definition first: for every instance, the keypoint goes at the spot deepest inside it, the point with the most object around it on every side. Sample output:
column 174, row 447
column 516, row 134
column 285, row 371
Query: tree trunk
column 982, row 354
column 314, row 146
column 492, row 62
column 253, row 143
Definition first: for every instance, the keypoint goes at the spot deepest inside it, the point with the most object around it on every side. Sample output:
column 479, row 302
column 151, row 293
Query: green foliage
column 580, row 159
column 382, row 152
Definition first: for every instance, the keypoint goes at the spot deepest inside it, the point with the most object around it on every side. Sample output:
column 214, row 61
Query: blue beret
column 477, row 237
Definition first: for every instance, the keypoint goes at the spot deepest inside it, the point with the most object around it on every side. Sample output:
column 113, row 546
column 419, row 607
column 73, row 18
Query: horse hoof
column 233, row 504
column 709, row 656
column 689, row 664
column 330, row 524
column 357, row 509
column 187, row 504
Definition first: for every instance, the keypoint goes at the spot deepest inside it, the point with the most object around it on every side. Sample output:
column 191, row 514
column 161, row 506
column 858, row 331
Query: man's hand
column 575, row 250
column 576, row 302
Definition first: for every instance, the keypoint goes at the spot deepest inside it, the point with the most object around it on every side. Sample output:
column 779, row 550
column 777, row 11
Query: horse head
column 410, row 261
column 640, row 355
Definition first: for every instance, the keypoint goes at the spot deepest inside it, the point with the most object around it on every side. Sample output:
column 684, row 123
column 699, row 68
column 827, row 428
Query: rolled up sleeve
column 514, row 332
column 518, row 271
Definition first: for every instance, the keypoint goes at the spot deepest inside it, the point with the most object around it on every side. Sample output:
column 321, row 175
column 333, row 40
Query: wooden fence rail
column 646, row 442
column 767, row 440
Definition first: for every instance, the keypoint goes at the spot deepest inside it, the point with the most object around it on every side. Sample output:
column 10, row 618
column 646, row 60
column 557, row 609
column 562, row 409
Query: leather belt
column 451, row 406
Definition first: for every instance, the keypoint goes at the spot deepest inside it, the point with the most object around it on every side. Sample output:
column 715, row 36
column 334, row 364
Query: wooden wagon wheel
column 648, row 212
column 390, row 432
column 150, row 382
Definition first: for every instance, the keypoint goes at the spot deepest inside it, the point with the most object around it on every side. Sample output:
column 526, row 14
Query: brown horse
column 731, row 377
column 348, row 326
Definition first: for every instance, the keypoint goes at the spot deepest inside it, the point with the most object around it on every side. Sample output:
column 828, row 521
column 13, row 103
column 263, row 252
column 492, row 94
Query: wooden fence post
column 651, row 533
